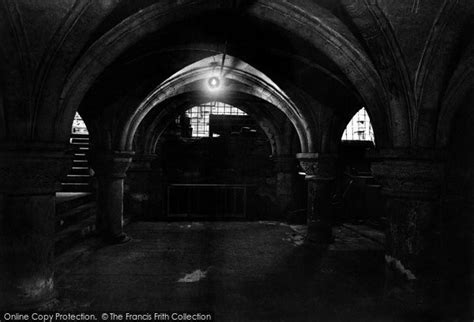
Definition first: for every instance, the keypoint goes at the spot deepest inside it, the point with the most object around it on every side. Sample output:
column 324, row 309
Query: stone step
column 66, row 201
column 79, row 171
column 80, row 167
column 78, row 135
column 80, row 163
column 80, row 156
column 75, row 187
column 80, row 138
column 79, row 148
column 77, row 178
column 76, row 144
column 76, row 148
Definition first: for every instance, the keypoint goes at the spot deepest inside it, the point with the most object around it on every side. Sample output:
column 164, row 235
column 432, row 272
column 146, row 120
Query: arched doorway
column 359, row 197
column 218, row 164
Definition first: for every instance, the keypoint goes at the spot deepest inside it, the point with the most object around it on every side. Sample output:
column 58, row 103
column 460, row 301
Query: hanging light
column 214, row 83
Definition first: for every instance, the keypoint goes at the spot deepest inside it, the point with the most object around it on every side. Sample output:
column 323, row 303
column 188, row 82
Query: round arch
column 240, row 78
column 303, row 19
column 255, row 109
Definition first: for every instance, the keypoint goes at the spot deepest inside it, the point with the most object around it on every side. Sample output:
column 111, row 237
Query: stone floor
column 255, row 271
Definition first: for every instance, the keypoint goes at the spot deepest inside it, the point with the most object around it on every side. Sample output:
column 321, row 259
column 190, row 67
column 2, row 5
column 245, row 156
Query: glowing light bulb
column 214, row 83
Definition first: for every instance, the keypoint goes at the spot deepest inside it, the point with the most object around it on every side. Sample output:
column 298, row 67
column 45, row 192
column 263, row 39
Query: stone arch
column 155, row 128
column 303, row 19
column 459, row 89
column 375, row 28
column 336, row 126
column 368, row 129
column 242, row 79
column 436, row 64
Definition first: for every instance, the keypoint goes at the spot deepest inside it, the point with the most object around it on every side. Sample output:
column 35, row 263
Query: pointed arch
column 359, row 128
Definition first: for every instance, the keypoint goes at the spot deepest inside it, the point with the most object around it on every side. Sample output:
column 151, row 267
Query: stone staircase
column 79, row 178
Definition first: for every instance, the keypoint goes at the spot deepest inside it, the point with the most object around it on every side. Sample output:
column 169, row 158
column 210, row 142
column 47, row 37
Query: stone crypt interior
column 263, row 160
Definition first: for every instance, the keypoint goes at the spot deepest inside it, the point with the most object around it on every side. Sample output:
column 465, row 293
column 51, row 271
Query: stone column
column 285, row 168
column 139, row 182
column 411, row 183
column 29, row 179
column 110, row 169
column 320, row 175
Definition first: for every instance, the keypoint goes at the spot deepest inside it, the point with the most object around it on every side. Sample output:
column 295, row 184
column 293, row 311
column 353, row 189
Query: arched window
column 78, row 125
column 359, row 128
column 199, row 116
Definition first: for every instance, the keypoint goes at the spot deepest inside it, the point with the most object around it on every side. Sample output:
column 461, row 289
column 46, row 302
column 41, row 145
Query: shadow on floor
column 255, row 271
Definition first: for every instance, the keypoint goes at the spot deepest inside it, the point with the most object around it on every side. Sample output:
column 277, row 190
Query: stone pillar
column 110, row 169
column 411, row 183
column 285, row 168
column 139, row 182
column 320, row 175
column 29, row 179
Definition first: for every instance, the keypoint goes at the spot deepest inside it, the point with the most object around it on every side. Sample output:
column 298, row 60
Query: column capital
column 112, row 164
column 33, row 169
column 143, row 162
column 409, row 173
column 318, row 166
